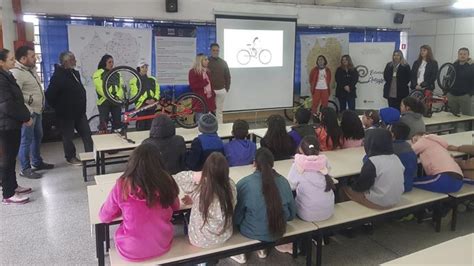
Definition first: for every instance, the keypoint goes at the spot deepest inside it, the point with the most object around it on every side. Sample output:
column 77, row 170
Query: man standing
column 220, row 79
column 460, row 95
column 31, row 136
column 67, row 96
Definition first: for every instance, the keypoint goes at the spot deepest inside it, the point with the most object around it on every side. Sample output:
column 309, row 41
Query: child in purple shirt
column 240, row 151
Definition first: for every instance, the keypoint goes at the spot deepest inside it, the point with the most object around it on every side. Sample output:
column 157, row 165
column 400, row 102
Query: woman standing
column 105, row 106
column 397, row 77
column 346, row 79
column 150, row 95
column 13, row 113
column 200, row 83
column 319, row 80
column 424, row 71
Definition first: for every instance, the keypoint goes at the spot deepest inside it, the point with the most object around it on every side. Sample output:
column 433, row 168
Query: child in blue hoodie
column 240, row 151
column 206, row 143
column 405, row 153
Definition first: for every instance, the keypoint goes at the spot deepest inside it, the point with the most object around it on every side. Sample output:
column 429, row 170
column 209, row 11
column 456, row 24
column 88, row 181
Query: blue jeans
column 346, row 103
column 30, row 143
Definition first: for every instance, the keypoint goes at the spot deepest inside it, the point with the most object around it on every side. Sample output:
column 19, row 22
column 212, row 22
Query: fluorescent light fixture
column 464, row 4
column 79, row 18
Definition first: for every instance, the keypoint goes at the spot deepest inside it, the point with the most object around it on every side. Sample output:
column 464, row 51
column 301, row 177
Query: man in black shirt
column 460, row 95
column 67, row 96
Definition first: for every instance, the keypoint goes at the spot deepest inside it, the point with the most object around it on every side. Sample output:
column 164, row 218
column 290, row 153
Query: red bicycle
column 184, row 109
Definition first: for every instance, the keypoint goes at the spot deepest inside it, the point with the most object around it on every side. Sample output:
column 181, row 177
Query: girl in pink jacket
column 443, row 174
column 145, row 196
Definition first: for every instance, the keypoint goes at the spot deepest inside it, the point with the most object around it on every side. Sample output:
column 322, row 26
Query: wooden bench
column 350, row 214
column 183, row 252
column 88, row 160
column 466, row 192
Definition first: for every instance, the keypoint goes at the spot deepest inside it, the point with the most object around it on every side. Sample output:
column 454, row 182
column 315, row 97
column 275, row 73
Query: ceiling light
column 464, row 4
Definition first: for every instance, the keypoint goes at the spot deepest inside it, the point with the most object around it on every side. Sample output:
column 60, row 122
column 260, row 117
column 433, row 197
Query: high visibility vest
column 115, row 88
column 150, row 89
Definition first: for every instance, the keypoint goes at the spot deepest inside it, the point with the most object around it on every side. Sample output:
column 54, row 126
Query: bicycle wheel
column 333, row 105
column 265, row 56
column 418, row 94
column 96, row 128
column 116, row 85
column 243, row 57
column 290, row 113
column 186, row 109
column 446, row 77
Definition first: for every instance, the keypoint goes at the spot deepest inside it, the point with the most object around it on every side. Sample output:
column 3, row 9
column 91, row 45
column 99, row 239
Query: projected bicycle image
column 253, row 48
column 244, row 56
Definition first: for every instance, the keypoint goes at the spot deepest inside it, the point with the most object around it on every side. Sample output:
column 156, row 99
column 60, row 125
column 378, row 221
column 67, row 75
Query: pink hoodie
column 144, row 232
column 434, row 155
column 307, row 177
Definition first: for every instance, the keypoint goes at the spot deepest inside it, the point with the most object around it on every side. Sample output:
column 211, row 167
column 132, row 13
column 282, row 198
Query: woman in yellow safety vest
column 150, row 94
column 105, row 106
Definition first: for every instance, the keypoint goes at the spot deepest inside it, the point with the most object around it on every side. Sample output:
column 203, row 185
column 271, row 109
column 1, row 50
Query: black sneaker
column 74, row 161
column 43, row 166
column 30, row 174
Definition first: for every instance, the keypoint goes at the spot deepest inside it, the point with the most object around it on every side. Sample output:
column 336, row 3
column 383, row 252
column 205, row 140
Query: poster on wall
column 332, row 46
column 174, row 58
column 89, row 43
column 370, row 60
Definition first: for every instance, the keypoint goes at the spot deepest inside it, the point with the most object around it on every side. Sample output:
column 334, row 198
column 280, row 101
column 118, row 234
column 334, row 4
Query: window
column 36, row 41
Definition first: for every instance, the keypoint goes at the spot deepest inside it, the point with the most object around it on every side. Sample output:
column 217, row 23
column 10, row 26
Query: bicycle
column 244, row 56
column 306, row 102
column 435, row 103
column 184, row 110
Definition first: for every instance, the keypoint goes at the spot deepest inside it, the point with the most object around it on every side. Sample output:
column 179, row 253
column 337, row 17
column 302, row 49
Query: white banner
column 370, row 60
column 332, row 46
column 89, row 43
column 174, row 59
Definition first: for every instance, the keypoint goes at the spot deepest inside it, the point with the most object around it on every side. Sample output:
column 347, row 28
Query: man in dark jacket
column 171, row 146
column 67, row 96
column 459, row 97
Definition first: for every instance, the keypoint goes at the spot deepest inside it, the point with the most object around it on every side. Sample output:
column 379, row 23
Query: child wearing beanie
column 206, row 143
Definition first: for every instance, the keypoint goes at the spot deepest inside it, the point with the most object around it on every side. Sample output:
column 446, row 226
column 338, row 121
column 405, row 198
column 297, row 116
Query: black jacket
column 344, row 78
column 403, row 78
column 172, row 147
column 464, row 83
column 66, row 94
column 13, row 111
column 431, row 73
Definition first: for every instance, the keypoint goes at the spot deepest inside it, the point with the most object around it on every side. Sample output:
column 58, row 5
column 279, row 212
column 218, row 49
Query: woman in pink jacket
column 443, row 174
column 145, row 196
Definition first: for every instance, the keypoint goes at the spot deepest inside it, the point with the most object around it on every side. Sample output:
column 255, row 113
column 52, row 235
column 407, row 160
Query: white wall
column 203, row 10
column 8, row 27
column 445, row 36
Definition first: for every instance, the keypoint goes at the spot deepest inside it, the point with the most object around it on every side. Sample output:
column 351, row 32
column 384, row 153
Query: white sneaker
column 16, row 199
column 285, row 248
column 262, row 253
column 239, row 258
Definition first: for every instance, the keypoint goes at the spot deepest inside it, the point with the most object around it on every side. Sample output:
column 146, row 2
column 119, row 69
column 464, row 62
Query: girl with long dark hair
column 264, row 203
column 329, row 133
column 277, row 139
column 146, row 197
column 352, row 129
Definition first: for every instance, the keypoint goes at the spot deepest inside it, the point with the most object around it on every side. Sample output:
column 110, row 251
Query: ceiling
column 430, row 6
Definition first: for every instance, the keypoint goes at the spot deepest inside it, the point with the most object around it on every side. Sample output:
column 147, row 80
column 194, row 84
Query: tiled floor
column 54, row 228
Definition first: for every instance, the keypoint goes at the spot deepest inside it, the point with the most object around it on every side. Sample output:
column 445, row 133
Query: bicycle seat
column 304, row 97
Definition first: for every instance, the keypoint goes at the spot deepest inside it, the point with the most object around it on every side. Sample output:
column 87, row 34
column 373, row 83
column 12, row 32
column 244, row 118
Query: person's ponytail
column 275, row 215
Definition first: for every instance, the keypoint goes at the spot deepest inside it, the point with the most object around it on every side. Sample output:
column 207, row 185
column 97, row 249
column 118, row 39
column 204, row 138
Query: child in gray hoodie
column 412, row 115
